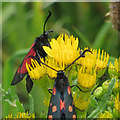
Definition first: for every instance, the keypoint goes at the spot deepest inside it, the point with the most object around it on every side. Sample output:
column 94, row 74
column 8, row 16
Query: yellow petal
column 48, row 51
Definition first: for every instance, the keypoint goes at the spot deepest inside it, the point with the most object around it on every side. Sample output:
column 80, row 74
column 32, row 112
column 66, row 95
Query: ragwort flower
column 101, row 63
column 117, row 103
column 86, row 78
column 35, row 70
column 106, row 115
column 89, row 60
column 114, row 70
column 117, row 86
column 116, row 110
column 63, row 51
column 52, row 63
column 95, row 60
column 21, row 115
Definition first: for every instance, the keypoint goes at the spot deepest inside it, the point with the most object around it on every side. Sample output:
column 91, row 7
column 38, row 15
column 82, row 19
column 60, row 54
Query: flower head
column 35, row 70
column 117, row 86
column 117, row 103
column 101, row 63
column 106, row 115
column 89, row 60
column 86, row 77
column 52, row 63
column 114, row 70
column 102, row 60
column 21, row 115
column 63, row 51
column 95, row 60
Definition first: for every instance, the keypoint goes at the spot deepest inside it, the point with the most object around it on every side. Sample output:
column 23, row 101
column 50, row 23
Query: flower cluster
column 21, row 115
column 117, row 103
column 64, row 50
column 114, row 70
column 106, row 115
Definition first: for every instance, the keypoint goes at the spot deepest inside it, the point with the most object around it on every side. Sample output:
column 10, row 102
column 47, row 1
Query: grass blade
column 99, row 41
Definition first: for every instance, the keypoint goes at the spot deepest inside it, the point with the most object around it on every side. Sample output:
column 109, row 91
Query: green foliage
column 23, row 22
column 13, row 101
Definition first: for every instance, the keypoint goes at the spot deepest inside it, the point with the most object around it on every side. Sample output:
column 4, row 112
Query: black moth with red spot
column 61, row 103
column 40, row 41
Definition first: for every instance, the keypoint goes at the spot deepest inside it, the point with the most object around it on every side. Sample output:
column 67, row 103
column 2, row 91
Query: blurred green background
column 23, row 22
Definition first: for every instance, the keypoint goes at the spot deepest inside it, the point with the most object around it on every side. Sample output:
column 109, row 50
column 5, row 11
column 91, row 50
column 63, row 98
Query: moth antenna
column 82, row 55
column 50, row 13
column 41, row 61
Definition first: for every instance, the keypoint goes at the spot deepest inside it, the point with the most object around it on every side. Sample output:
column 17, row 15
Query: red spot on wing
column 74, row 117
column 70, row 108
column 23, row 69
column 50, row 104
column 62, row 105
column 68, row 89
column 50, row 117
column 54, row 91
column 18, row 70
column 54, row 108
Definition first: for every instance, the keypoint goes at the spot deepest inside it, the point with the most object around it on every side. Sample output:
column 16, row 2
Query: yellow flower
column 52, row 63
column 86, row 78
column 63, row 51
column 95, row 60
column 21, row 115
column 35, row 70
column 116, row 88
column 117, row 103
column 114, row 70
column 105, row 115
column 101, row 63
column 102, row 60
column 81, row 100
column 89, row 60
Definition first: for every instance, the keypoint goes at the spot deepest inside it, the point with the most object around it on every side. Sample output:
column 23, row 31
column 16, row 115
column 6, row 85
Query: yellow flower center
column 63, row 51
column 86, row 78
column 102, row 60
column 35, row 70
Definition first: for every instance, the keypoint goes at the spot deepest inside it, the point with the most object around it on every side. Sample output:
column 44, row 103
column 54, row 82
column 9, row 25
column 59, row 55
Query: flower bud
column 98, row 93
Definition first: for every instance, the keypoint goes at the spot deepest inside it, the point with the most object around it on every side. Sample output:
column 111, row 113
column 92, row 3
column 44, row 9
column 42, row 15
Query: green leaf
column 82, row 37
column 100, row 39
column 31, row 104
column 19, row 54
column 101, row 107
column 20, row 107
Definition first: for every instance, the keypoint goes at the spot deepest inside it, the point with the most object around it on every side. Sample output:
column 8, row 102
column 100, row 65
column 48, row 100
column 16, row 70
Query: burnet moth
column 40, row 41
column 61, row 104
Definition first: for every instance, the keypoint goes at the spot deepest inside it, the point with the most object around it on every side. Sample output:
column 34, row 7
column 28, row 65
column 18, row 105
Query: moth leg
column 79, row 88
column 79, row 109
column 76, row 86
column 49, row 90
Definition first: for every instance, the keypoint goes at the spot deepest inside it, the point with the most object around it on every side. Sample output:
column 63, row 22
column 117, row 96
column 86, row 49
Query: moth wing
column 69, row 106
column 54, row 106
column 22, row 71
column 29, row 83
